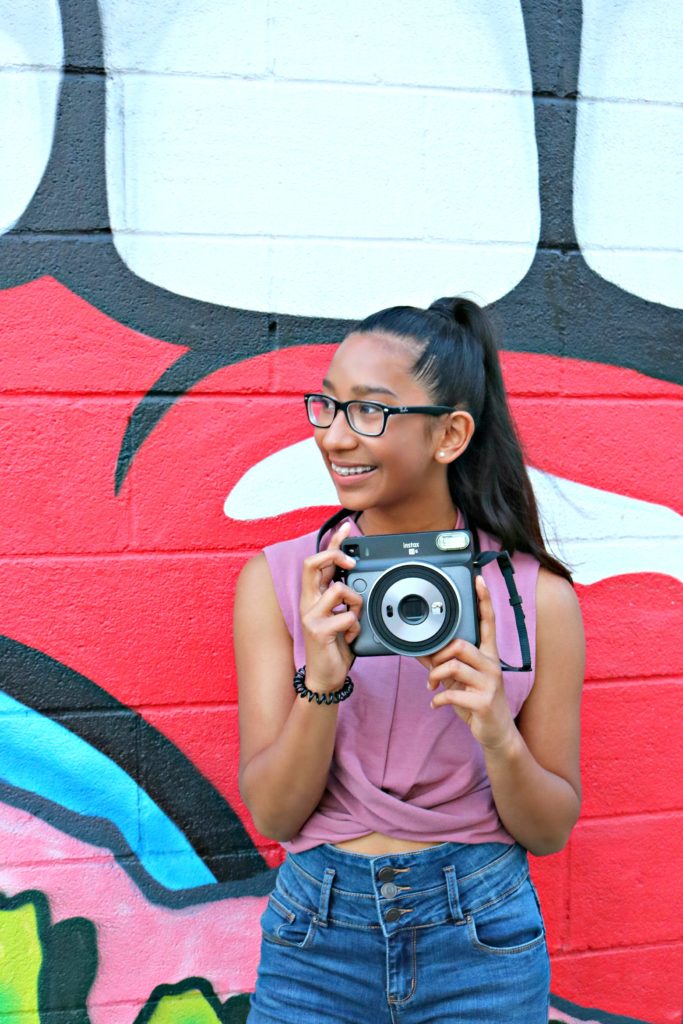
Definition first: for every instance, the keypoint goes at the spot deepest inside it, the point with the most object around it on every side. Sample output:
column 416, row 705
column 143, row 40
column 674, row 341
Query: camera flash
column 456, row 540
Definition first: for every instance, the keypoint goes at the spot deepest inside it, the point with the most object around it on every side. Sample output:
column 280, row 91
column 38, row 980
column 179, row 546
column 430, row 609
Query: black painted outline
column 586, row 1013
column 69, row 957
column 233, row 1011
column 102, row 833
column 189, row 800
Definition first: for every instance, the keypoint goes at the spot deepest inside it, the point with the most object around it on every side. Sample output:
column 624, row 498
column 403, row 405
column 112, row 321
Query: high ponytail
column 458, row 366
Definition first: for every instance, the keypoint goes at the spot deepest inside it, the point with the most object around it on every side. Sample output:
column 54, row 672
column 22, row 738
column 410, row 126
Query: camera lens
column 413, row 609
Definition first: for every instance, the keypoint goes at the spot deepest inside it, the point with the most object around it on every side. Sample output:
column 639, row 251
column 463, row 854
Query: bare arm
column 535, row 775
column 533, row 763
column 286, row 743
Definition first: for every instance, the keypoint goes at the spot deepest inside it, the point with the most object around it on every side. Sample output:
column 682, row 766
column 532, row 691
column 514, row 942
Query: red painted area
column 626, row 886
column 135, row 590
column 551, row 878
column 642, row 982
column 632, row 757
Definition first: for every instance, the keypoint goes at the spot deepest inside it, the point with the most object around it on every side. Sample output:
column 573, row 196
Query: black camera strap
column 506, row 567
column 335, row 520
column 481, row 558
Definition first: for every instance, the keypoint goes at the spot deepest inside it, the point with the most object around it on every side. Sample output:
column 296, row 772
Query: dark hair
column 459, row 366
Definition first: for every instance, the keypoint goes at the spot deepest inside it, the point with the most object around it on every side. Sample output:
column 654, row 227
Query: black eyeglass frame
column 387, row 411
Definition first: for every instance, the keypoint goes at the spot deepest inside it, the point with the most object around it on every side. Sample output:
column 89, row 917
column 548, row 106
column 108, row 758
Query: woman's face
column 400, row 471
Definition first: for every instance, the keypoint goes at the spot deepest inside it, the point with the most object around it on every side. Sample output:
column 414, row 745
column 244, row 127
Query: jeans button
column 389, row 890
column 386, row 874
column 392, row 915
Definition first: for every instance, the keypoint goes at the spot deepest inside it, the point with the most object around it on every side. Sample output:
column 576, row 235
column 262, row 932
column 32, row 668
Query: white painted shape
column 628, row 185
column 31, row 53
column 31, row 35
column 286, row 180
column 599, row 534
column 238, row 271
column 602, row 534
column 467, row 174
column 207, row 37
column 275, row 485
column 374, row 275
column 241, row 159
column 435, row 43
column 632, row 50
column 227, row 271
column 657, row 276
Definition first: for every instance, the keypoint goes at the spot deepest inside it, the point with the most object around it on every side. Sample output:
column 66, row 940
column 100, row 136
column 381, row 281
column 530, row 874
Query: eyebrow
column 364, row 389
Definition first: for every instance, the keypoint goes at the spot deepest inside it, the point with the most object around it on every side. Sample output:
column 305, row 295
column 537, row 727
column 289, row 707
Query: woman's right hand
column 327, row 634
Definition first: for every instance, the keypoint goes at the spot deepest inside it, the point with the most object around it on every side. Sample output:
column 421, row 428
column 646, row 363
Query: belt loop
column 453, row 897
column 323, row 908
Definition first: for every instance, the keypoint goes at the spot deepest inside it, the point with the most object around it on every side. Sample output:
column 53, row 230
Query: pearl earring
column 441, row 454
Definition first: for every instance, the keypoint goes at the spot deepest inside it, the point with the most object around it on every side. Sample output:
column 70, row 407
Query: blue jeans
column 451, row 933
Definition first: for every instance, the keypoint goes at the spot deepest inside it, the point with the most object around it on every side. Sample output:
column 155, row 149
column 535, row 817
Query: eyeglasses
column 367, row 418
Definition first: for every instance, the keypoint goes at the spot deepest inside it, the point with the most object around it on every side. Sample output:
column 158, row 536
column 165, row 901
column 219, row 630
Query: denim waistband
column 449, row 880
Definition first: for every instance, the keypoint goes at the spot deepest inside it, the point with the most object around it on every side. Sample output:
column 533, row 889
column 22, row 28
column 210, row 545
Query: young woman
column 407, row 809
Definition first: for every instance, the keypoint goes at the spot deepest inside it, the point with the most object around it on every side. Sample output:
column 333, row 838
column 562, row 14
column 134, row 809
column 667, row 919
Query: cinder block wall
column 196, row 200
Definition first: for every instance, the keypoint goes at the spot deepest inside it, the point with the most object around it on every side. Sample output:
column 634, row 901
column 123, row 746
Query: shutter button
column 389, row 890
column 386, row 874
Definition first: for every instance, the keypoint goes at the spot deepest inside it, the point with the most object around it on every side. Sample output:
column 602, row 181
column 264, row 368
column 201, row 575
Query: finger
column 454, row 649
column 336, row 594
column 339, row 535
column 456, row 672
column 462, row 700
column 465, row 652
column 326, row 631
column 318, row 571
column 351, row 634
column 487, row 620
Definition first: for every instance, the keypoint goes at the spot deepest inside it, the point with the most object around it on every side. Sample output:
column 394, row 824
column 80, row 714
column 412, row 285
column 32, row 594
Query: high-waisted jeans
column 451, row 933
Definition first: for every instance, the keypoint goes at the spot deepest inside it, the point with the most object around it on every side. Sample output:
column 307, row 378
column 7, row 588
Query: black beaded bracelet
column 336, row 697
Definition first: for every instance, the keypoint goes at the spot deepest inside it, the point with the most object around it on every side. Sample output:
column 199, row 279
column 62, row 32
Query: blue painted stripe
column 43, row 757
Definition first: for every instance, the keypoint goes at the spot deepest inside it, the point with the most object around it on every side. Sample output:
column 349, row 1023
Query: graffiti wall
column 196, row 198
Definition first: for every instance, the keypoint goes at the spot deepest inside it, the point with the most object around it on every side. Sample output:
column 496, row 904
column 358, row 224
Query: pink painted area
column 140, row 945
column 566, row 1019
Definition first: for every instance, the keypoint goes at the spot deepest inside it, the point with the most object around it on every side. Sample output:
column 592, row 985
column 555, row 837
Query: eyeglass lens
column 364, row 417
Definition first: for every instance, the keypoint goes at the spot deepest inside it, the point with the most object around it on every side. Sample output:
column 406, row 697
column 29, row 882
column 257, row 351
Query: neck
column 374, row 521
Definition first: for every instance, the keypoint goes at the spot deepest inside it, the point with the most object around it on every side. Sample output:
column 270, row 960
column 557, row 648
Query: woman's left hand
column 472, row 680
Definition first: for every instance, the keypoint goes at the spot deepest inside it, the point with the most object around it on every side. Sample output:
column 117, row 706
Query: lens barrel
column 414, row 608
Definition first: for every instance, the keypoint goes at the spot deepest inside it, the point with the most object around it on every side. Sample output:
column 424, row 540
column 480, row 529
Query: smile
column 351, row 470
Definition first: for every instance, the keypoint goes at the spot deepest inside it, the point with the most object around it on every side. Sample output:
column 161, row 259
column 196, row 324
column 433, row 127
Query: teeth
column 350, row 470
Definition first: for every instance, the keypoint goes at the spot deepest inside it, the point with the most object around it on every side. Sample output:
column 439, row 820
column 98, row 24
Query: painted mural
column 196, row 199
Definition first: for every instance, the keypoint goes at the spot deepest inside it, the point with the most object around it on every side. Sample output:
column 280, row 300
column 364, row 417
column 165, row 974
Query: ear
column 454, row 438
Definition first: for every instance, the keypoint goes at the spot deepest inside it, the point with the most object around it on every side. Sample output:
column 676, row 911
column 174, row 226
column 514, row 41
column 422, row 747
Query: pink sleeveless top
column 401, row 767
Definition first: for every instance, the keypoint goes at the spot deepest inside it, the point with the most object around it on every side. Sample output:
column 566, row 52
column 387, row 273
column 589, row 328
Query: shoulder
column 254, row 580
column 556, row 599
column 292, row 549
column 559, row 625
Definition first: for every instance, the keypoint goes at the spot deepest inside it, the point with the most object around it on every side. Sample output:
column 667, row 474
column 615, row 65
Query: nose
column 339, row 434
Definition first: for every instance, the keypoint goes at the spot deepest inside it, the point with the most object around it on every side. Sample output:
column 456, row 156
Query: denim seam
column 357, row 927
column 486, row 867
column 501, row 896
column 300, row 906
column 502, row 950
column 461, row 878
column 413, row 979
